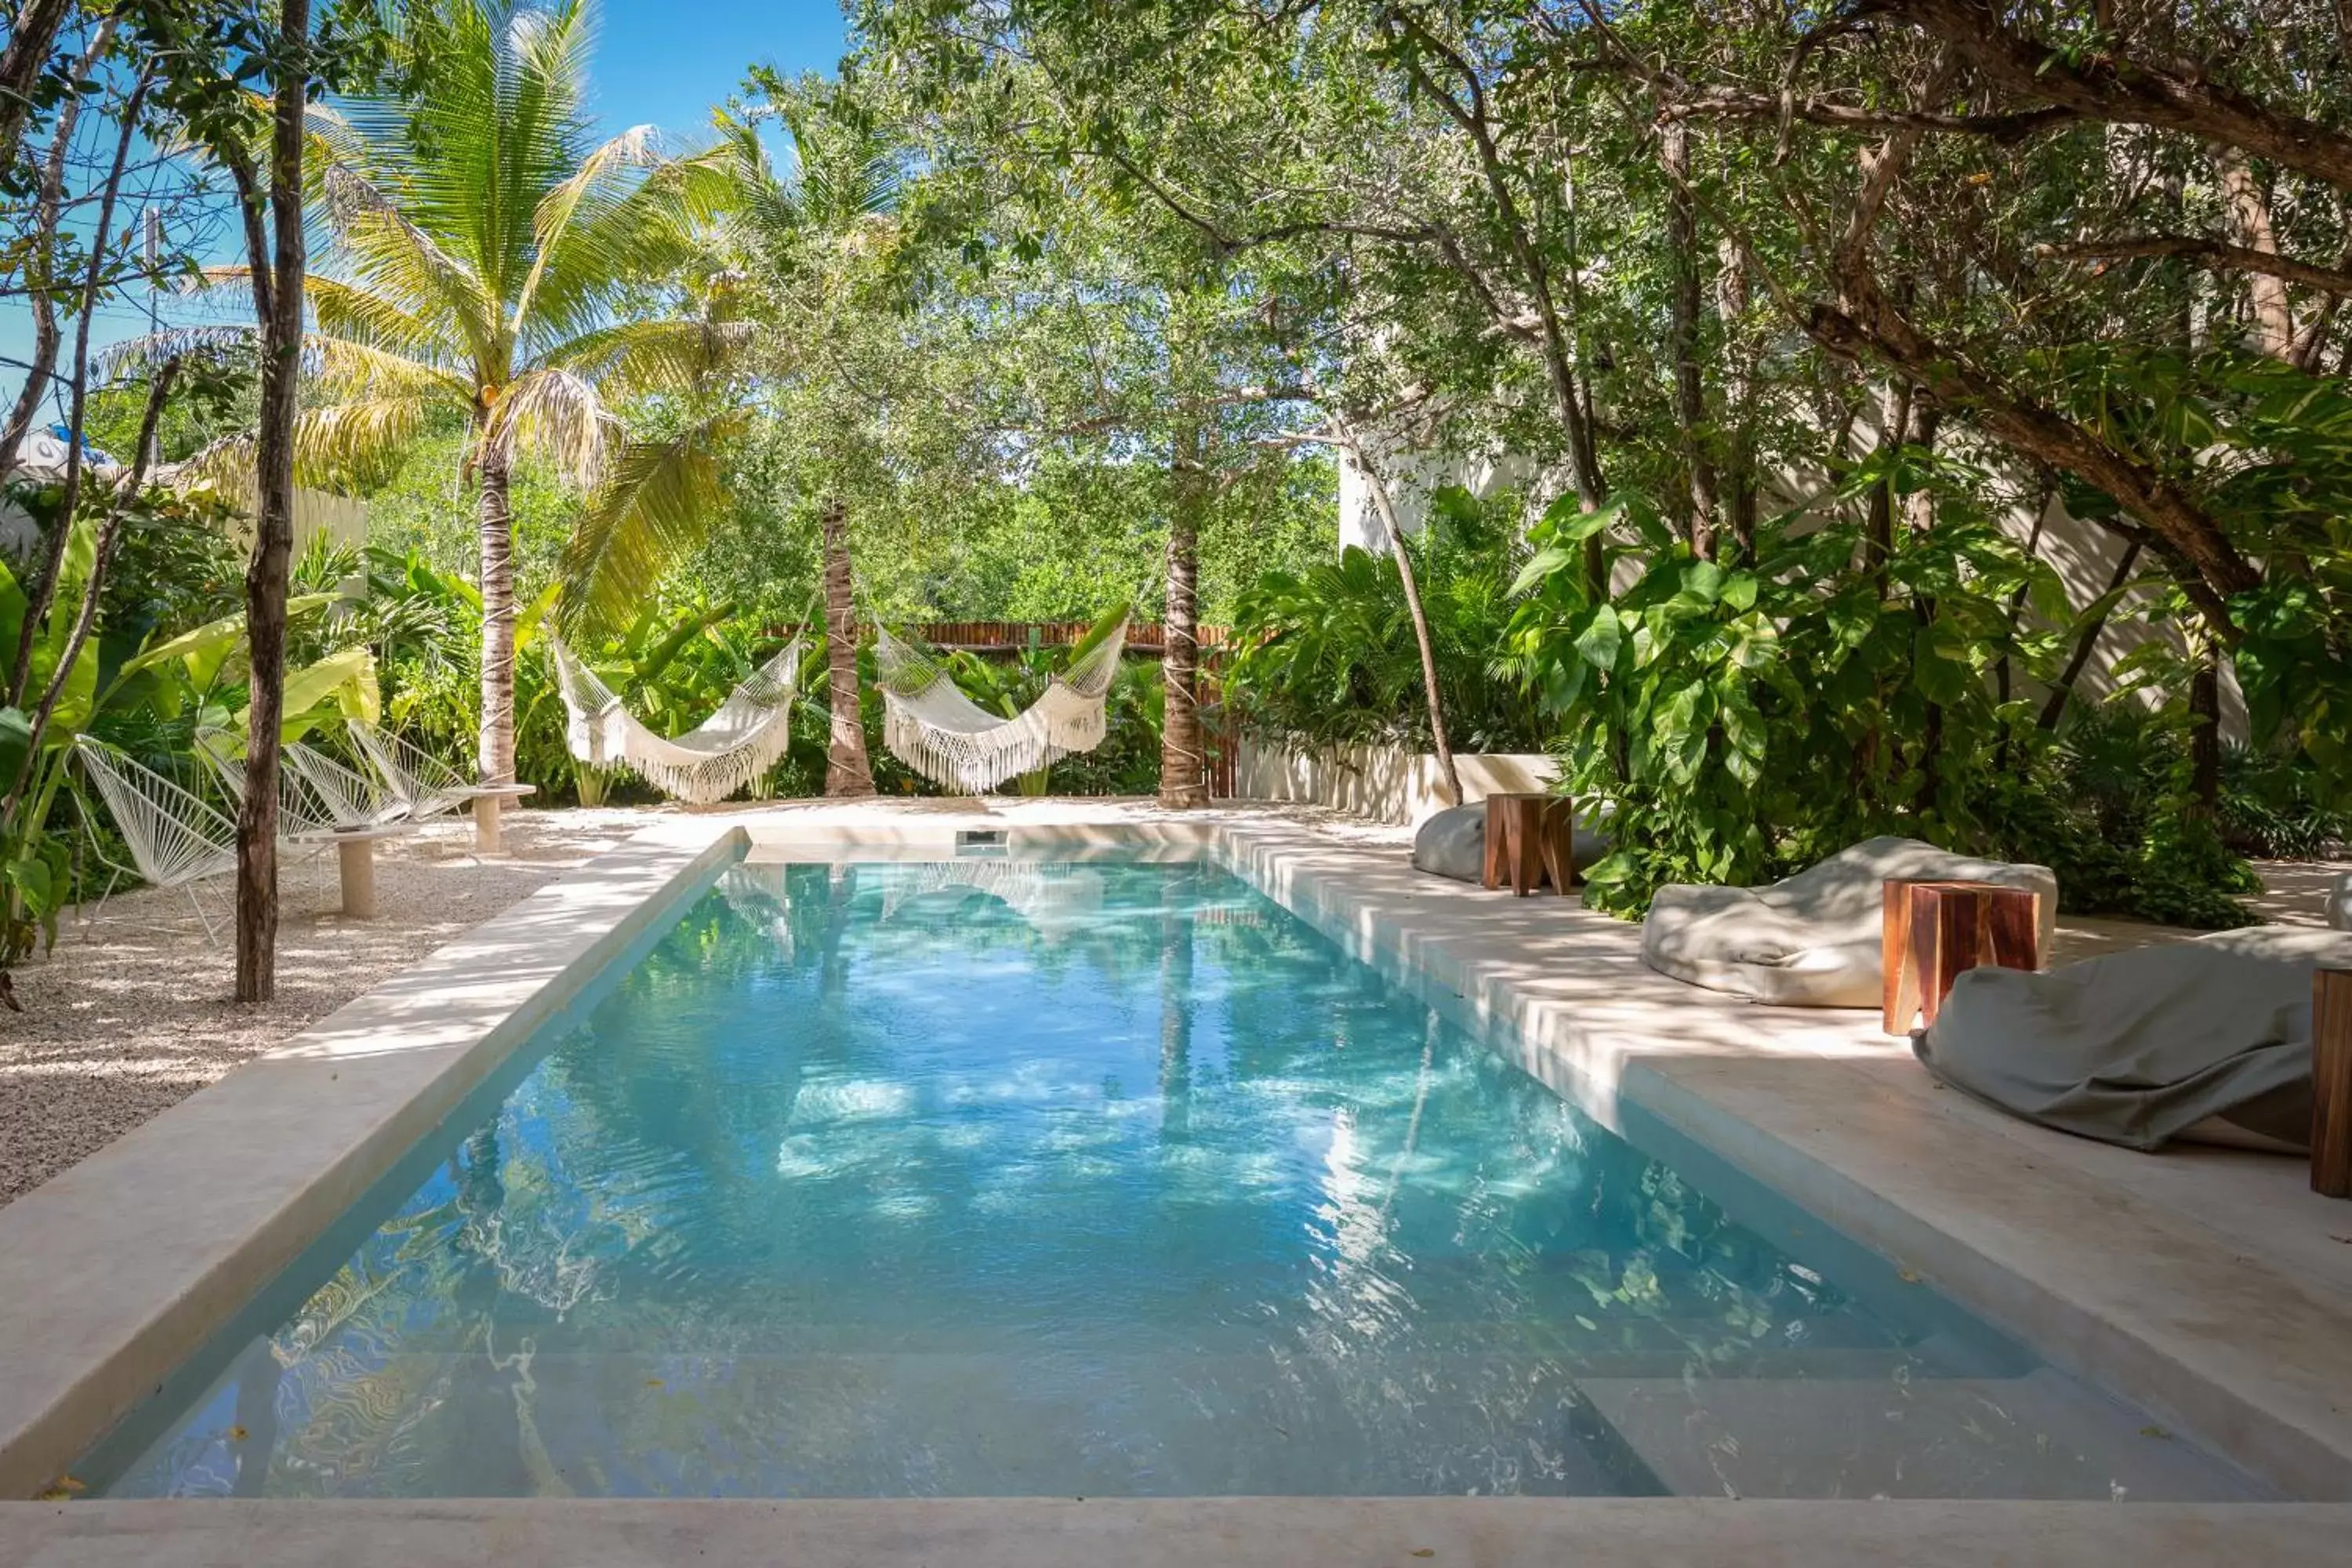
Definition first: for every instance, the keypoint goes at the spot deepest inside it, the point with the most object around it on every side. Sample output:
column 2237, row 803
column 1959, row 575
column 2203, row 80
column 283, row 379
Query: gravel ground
column 131, row 1012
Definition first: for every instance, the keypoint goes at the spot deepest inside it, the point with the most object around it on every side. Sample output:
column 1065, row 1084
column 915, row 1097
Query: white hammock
column 933, row 727
column 747, row 735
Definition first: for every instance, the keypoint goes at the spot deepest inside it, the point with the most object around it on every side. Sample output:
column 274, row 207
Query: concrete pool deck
column 2211, row 1287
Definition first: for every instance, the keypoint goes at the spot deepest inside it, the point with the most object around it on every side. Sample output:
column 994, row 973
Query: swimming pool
column 1000, row 1177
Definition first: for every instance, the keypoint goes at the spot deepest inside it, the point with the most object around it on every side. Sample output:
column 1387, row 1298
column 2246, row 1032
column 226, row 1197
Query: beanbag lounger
column 1812, row 940
column 2208, row 1040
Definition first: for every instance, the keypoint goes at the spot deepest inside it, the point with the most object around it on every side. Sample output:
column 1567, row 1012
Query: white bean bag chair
column 2207, row 1040
column 1812, row 940
column 1452, row 843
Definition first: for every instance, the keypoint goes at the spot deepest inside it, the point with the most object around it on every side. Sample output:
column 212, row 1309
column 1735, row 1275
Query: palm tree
column 814, row 253
column 487, row 247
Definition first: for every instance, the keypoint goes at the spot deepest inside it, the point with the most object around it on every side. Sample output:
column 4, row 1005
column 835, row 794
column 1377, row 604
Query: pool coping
column 100, row 1296
column 1173, row 1532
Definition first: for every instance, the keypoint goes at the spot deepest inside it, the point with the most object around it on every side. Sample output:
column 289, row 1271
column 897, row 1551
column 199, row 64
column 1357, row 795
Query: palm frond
column 348, row 310
column 629, row 358
column 359, row 440
column 386, row 253
column 558, row 415
column 344, row 368
column 658, row 506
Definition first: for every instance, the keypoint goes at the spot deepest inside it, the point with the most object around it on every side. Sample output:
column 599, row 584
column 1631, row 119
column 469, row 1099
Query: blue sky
column 658, row 62
column 666, row 62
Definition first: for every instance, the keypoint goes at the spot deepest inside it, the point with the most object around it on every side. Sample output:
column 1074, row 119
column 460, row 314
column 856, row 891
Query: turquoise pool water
column 994, row 1178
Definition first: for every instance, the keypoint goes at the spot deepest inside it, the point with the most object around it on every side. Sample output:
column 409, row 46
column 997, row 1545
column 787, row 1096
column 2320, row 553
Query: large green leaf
column 208, row 646
column 342, row 683
column 15, row 746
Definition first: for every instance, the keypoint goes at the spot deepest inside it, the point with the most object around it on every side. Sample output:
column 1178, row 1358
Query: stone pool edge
column 107, row 1285
column 1169, row 1532
column 2099, row 1284
column 60, row 1364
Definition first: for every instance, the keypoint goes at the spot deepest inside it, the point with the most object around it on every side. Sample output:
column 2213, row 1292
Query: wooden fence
column 1147, row 637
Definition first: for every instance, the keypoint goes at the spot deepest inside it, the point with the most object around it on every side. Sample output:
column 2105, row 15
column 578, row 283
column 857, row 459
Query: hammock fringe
column 932, row 727
column 734, row 747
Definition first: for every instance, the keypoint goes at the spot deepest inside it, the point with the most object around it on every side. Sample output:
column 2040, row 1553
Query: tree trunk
column 31, row 34
column 495, row 749
column 273, row 533
column 1731, row 306
column 2085, row 642
column 41, row 257
column 1690, row 389
column 1184, row 784
column 42, row 593
column 2205, row 738
column 2250, row 218
column 1895, row 417
column 1383, row 501
column 847, row 773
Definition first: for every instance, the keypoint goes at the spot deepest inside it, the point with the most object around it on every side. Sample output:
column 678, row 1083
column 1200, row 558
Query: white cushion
column 1813, row 941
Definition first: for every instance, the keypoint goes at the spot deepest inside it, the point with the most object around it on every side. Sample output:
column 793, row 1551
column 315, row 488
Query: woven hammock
column 737, row 745
column 933, row 727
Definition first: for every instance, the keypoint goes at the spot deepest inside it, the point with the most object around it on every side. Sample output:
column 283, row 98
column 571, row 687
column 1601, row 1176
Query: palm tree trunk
column 497, row 746
column 847, row 773
column 1182, row 783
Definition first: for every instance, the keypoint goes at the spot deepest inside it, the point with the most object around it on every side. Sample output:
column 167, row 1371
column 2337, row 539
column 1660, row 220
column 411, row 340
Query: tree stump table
column 2331, row 1082
column 1530, row 838
column 1933, row 931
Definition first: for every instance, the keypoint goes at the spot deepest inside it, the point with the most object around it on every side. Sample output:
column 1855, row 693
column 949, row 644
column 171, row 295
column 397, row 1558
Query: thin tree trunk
column 1183, row 782
column 495, row 743
column 2250, row 217
column 2084, row 643
column 1918, row 517
column 1895, row 417
column 1731, row 305
column 2000, row 671
column 38, row 601
column 30, row 37
column 273, row 534
column 848, row 774
column 1690, row 389
column 41, row 257
column 2205, row 737
column 1397, row 547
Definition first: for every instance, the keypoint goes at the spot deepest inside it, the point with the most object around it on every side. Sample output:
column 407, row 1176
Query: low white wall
column 1384, row 782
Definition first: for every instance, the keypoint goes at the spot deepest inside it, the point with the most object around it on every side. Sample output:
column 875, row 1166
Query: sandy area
column 131, row 1013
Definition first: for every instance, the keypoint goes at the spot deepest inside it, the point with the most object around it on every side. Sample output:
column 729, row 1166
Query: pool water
column 989, row 1177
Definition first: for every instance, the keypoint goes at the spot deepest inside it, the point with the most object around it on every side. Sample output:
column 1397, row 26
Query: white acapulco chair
column 421, row 783
column 176, row 838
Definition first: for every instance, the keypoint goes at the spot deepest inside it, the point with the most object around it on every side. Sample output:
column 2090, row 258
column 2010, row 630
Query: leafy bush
column 1329, row 655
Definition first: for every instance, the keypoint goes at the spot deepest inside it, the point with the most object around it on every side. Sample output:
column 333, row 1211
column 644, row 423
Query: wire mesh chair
column 175, row 838
column 423, row 784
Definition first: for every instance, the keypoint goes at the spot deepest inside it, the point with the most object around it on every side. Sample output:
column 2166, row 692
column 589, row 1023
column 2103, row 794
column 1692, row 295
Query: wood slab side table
column 2331, row 1082
column 1530, row 838
column 1933, row 931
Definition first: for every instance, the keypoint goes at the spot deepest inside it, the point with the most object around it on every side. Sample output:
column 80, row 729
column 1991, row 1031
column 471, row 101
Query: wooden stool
column 2331, row 1082
column 1935, row 931
column 1530, row 838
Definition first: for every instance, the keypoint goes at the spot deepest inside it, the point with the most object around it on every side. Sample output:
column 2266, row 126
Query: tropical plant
column 1328, row 654
column 490, row 258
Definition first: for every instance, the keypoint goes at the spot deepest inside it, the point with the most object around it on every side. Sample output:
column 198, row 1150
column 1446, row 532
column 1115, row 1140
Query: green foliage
column 1328, row 653
column 1743, row 723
